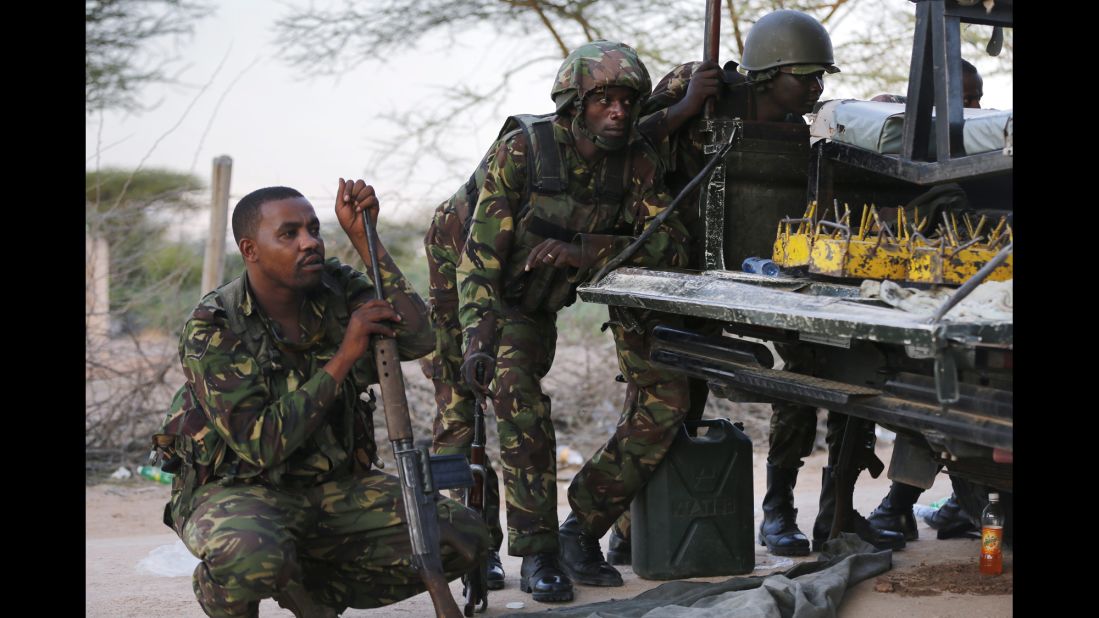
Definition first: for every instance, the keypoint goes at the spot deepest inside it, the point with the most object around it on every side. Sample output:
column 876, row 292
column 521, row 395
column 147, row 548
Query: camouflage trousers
column 452, row 431
column 794, row 426
column 525, row 349
column 345, row 541
column 657, row 401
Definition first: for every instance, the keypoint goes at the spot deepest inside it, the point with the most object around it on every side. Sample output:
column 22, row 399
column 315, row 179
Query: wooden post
column 97, row 321
column 213, row 264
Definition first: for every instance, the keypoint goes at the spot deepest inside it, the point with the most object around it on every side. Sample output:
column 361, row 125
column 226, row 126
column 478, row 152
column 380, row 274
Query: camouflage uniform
column 657, row 401
column 452, row 432
column 511, row 314
column 276, row 487
column 649, row 421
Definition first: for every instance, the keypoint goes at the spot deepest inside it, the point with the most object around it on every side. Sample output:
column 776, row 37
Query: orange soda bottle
column 992, row 536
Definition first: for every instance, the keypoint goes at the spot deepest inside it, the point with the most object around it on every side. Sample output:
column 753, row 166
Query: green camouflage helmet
column 784, row 38
column 599, row 64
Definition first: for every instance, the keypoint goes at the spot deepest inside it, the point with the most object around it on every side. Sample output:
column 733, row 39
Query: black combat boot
column 950, row 520
column 495, row 580
column 581, row 557
column 541, row 575
column 895, row 511
column 779, row 530
column 619, row 549
column 822, row 527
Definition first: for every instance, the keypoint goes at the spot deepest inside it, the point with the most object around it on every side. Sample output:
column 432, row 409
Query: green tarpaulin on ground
column 808, row 590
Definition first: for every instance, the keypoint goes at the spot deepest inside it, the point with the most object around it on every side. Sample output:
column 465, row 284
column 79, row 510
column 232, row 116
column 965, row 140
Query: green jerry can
column 694, row 517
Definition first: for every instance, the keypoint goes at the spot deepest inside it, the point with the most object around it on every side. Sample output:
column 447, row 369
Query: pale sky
column 283, row 128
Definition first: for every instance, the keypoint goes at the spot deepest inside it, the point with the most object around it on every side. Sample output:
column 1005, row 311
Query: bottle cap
column 993, row 497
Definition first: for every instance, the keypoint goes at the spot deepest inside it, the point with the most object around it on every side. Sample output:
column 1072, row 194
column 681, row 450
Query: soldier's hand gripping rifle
column 723, row 133
column 420, row 474
column 477, row 373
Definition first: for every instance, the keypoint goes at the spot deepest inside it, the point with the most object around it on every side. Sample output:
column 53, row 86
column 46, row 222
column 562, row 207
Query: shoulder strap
column 544, row 168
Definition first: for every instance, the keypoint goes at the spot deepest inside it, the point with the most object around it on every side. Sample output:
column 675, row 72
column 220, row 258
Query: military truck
column 941, row 379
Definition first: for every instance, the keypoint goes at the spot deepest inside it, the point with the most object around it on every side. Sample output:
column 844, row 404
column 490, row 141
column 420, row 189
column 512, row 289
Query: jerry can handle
column 716, row 429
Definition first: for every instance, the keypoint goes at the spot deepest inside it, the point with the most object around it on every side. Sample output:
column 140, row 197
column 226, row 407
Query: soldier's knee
column 258, row 562
column 219, row 601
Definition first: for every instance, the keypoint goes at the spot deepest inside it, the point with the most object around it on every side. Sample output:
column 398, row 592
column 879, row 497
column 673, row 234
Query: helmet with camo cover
column 599, row 64
column 791, row 40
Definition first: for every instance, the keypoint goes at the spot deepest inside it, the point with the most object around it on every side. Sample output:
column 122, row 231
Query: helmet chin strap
column 580, row 127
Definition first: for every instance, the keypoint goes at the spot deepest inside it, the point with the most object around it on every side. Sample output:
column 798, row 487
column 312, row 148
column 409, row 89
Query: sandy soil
column 123, row 524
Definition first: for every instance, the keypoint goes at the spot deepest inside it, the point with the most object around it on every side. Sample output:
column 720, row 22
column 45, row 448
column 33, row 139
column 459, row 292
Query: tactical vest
column 547, row 211
column 187, row 443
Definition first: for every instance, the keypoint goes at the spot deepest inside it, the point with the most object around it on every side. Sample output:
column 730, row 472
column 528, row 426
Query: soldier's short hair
column 968, row 68
column 247, row 211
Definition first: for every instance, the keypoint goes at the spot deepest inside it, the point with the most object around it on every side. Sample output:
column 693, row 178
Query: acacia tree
column 119, row 47
column 872, row 40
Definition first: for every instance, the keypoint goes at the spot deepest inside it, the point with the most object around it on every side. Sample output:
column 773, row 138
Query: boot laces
column 589, row 545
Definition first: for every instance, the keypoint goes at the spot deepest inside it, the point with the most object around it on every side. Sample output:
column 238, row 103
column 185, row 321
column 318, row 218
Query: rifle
column 476, row 581
column 417, row 470
column 856, row 454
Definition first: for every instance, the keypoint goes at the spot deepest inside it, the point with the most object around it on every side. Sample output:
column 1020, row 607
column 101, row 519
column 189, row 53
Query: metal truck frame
column 943, row 385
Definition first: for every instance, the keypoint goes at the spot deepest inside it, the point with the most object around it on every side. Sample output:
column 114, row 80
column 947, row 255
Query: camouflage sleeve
column 261, row 428
column 667, row 246
column 414, row 335
column 654, row 115
column 491, row 234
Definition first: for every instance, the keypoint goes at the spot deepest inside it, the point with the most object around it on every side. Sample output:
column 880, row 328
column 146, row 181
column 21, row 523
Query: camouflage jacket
column 266, row 407
column 490, row 271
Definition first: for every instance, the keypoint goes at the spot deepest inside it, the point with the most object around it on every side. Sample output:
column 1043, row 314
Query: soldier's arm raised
column 414, row 335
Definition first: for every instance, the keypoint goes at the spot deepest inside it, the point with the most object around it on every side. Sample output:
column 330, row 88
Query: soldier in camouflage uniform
column 272, row 434
column 657, row 402
column 530, row 243
column 781, row 77
column 452, row 433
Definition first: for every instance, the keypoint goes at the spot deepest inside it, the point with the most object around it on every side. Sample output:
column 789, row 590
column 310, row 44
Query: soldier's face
column 607, row 111
column 287, row 249
column 796, row 94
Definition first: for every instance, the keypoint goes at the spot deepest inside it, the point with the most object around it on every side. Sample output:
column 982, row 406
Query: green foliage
column 150, row 279
column 139, row 189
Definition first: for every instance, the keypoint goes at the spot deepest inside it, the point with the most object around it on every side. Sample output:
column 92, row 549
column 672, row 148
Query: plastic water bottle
column 992, row 536
column 155, row 474
column 760, row 266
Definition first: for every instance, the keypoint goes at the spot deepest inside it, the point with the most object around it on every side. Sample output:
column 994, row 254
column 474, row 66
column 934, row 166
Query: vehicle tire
column 974, row 497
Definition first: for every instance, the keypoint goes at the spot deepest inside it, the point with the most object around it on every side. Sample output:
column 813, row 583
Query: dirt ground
column 929, row 577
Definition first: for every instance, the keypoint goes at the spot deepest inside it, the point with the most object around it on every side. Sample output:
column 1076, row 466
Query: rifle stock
column 413, row 465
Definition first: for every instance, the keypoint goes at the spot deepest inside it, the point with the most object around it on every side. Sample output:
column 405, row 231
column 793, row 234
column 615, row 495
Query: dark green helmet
column 785, row 38
column 599, row 64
